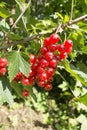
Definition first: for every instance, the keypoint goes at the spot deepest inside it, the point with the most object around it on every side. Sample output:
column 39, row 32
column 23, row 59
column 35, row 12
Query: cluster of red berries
column 3, row 65
column 43, row 66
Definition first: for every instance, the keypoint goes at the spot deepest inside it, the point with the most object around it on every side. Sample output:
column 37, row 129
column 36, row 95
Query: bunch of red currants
column 43, row 66
column 3, row 65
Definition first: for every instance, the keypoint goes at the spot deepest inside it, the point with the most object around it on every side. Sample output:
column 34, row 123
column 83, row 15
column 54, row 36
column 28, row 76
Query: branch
column 20, row 16
column 82, row 18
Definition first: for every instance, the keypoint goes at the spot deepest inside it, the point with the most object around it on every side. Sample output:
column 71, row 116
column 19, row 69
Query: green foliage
column 17, row 64
column 45, row 17
column 5, row 91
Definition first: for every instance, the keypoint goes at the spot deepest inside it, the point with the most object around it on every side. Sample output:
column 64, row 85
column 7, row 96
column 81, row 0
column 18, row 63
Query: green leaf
column 17, row 63
column 4, row 25
column 84, row 49
column 18, row 88
column 4, row 12
column 13, row 36
column 83, row 99
column 5, row 93
column 79, row 75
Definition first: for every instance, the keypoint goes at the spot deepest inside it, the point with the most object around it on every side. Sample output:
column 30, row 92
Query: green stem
column 72, row 5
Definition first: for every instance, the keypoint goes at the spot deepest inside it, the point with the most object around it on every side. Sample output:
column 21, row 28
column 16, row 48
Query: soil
column 21, row 118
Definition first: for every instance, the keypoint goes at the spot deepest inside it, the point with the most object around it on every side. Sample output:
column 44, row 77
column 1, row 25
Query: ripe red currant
column 3, row 62
column 32, row 58
column 50, row 71
column 49, row 56
column 68, row 43
column 54, row 38
column 44, row 63
column 25, row 93
column 52, row 47
column 42, row 76
column 43, row 50
column 47, row 41
column 53, row 63
column 63, row 55
column 48, row 87
column 25, row 81
column 2, row 71
column 61, row 48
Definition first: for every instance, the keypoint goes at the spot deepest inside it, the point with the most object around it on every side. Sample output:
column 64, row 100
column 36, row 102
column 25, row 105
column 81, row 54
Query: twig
column 82, row 18
column 21, row 15
column 72, row 4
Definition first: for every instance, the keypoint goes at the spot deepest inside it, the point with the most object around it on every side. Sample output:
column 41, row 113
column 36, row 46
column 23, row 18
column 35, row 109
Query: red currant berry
column 32, row 59
column 34, row 66
column 53, row 63
column 68, row 49
column 18, row 77
column 57, row 57
column 49, row 56
column 2, row 71
column 54, row 38
column 42, row 76
column 44, row 63
column 53, row 47
column 25, row 93
column 47, row 41
column 63, row 55
column 61, row 48
column 50, row 79
column 43, row 50
column 50, row 71
column 25, row 81
column 32, row 80
column 41, row 83
column 48, row 87
column 68, row 43
column 40, row 70
column 3, row 62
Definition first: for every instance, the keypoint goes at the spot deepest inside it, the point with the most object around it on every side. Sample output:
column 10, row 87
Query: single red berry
column 41, row 83
column 43, row 50
column 34, row 66
column 2, row 71
column 48, row 87
column 49, row 56
column 50, row 72
column 68, row 49
column 32, row 59
column 50, row 79
column 40, row 70
column 54, row 38
column 44, row 63
column 63, row 55
column 53, row 47
column 42, row 76
column 32, row 80
column 68, row 43
column 61, row 48
column 53, row 63
column 32, row 72
column 18, row 77
column 47, row 41
column 57, row 57
column 25, row 93
column 3, row 62
column 25, row 81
